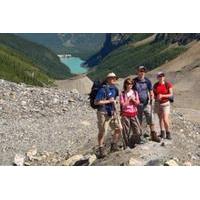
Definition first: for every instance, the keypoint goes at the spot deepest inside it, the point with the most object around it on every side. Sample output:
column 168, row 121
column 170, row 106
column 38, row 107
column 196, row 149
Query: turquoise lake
column 74, row 63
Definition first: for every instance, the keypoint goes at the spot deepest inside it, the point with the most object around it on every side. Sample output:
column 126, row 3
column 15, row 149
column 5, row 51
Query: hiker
column 163, row 93
column 145, row 91
column 129, row 101
column 106, row 113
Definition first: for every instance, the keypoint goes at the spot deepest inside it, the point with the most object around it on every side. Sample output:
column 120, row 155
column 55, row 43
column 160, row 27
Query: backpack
column 97, row 85
column 171, row 99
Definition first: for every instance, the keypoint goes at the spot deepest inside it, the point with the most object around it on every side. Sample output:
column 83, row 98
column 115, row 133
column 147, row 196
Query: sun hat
column 111, row 75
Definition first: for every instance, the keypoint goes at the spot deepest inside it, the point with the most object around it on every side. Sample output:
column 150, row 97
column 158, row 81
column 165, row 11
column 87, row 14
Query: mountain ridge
column 35, row 58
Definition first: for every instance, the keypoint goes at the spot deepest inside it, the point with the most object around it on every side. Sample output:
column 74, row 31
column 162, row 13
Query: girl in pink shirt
column 129, row 101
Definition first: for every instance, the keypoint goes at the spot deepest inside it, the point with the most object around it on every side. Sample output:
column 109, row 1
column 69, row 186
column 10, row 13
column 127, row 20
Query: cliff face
column 112, row 41
column 125, row 55
column 180, row 38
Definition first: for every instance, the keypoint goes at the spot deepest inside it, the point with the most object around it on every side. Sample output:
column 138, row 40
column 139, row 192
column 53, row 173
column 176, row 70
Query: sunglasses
column 142, row 71
column 129, row 83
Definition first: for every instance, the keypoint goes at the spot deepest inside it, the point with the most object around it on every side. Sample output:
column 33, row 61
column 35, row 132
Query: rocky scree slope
column 48, row 126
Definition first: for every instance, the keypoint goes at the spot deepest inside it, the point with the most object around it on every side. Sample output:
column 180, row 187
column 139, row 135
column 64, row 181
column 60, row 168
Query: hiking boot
column 114, row 147
column 154, row 137
column 168, row 135
column 162, row 134
column 146, row 135
column 101, row 152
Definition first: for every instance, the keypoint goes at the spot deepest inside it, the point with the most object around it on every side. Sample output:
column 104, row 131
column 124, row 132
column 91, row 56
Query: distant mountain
column 25, row 61
column 124, row 54
column 78, row 44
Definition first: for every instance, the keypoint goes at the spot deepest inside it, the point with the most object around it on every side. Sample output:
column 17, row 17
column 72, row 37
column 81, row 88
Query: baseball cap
column 141, row 68
column 160, row 74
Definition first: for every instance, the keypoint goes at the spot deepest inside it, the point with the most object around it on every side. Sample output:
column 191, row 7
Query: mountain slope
column 40, row 56
column 17, row 68
column 78, row 44
column 125, row 59
column 184, row 73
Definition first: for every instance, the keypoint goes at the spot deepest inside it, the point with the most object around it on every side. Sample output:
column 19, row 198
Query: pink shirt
column 129, row 108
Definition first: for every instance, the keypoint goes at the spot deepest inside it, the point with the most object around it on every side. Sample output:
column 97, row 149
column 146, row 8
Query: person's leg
column 140, row 109
column 126, row 130
column 149, row 118
column 150, row 122
column 102, row 126
column 161, row 122
column 166, row 112
column 136, row 132
column 117, row 133
column 116, row 136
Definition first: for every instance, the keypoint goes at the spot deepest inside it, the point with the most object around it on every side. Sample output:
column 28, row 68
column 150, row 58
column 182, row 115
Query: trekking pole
column 120, row 123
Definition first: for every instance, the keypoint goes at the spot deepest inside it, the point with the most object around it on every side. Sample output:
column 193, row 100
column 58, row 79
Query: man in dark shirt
column 105, row 113
column 145, row 91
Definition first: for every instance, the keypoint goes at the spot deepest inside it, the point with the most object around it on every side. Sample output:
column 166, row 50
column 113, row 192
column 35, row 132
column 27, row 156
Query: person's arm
column 167, row 95
column 123, row 101
column 136, row 100
column 150, row 88
column 101, row 98
column 102, row 102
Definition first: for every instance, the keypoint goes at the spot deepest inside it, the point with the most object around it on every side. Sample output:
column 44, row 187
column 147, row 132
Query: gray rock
column 72, row 160
column 91, row 158
column 134, row 162
column 23, row 103
column 19, row 160
column 31, row 153
column 171, row 163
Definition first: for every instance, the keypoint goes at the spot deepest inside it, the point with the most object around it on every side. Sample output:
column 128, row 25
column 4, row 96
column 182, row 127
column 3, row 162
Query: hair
column 127, row 81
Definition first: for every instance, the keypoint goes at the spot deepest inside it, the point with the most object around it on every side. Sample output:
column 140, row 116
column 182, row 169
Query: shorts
column 103, row 121
column 145, row 110
column 162, row 108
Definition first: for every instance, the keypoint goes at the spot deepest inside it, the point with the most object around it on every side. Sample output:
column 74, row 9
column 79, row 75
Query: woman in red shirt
column 163, row 91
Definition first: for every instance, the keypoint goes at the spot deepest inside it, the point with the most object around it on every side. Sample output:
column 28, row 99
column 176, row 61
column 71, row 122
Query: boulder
column 80, row 160
column 31, row 153
column 19, row 160
column 72, row 160
column 134, row 162
column 171, row 163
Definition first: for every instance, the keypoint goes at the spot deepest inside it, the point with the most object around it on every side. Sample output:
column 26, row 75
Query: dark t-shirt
column 143, row 87
column 107, row 92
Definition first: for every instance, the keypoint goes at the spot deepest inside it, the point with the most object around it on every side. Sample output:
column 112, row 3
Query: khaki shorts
column 103, row 121
column 162, row 108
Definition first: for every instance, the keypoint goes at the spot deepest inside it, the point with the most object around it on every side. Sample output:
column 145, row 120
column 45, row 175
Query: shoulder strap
column 156, row 85
column 106, row 89
column 167, row 85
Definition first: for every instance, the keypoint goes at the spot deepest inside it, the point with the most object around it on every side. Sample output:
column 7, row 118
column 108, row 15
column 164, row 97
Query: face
column 112, row 80
column 141, row 73
column 129, row 86
column 161, row 77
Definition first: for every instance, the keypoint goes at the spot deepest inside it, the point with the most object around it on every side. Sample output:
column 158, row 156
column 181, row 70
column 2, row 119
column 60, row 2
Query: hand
column 160, row 96
column 111, row 100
